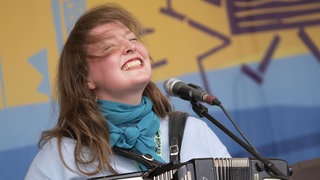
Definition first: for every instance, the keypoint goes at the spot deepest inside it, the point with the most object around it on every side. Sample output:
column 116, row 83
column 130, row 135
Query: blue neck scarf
column 132, row 126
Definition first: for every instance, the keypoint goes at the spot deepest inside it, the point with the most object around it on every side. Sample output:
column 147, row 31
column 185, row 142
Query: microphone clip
column 198, row 108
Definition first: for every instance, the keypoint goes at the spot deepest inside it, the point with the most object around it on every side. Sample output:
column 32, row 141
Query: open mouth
column 132, row 64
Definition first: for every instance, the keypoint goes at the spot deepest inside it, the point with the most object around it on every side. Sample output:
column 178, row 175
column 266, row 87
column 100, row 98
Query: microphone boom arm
column 202, row 111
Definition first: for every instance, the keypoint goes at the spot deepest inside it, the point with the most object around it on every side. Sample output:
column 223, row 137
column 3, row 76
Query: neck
column 125, row 97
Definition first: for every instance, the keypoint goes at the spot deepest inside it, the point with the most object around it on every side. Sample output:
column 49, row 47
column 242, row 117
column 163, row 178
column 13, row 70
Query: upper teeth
column 131, row 64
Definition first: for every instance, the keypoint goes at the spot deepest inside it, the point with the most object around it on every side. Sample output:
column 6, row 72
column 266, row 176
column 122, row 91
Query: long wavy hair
column 79, row 116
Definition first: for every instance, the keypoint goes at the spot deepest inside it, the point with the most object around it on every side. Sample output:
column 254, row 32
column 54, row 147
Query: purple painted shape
column 277, row 15
column 267, row 58
column 272, row 4
column 159, row 63
column 255, row 75
column 258, row 75
column 266, row 10
column 225, row 42
column 171, row 12
column 308, row 42
column 214, row 2
column 147, row 31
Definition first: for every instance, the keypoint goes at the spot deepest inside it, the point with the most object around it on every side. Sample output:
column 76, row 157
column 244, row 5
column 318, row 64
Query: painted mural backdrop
column 260, row 58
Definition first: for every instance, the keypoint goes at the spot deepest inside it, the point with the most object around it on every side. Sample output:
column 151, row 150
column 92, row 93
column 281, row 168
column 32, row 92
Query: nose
column 130, row 47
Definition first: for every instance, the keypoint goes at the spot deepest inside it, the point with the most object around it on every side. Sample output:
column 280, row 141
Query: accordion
column 210, row 169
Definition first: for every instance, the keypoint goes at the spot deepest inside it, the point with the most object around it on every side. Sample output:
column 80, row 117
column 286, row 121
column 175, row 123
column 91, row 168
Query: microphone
column 175, row 87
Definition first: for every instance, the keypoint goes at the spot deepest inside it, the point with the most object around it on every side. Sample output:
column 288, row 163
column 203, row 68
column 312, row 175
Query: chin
column 141, row 81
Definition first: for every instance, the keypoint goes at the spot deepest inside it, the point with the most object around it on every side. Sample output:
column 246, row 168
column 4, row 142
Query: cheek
column 143, row 50
column 101, row 71
column 95, row 69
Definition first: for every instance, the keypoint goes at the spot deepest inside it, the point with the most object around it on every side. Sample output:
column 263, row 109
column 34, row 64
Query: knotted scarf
column 132, row 126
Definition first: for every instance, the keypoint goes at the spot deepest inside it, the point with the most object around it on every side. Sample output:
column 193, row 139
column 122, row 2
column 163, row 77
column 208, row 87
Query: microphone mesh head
column 168, row 85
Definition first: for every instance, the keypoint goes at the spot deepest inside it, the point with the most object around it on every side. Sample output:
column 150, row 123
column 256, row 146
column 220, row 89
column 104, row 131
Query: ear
column 91, row 85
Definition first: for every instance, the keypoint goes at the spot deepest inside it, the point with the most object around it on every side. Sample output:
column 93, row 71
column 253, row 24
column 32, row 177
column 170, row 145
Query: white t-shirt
column 199, row 141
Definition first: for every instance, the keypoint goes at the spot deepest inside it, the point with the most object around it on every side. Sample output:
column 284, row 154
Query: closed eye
column 133, row 39
column 108, row 47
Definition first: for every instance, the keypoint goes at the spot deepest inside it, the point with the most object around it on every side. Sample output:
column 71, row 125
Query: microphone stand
column 202, row 111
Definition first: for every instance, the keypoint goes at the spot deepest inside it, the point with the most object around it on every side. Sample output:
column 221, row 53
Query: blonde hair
column 79, row 116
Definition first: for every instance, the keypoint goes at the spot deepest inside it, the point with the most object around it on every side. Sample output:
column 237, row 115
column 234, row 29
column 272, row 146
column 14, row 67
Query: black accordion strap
column 145, row 159
column 177, row 121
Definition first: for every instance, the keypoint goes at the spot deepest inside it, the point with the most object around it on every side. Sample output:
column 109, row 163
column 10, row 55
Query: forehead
column 103, row 35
